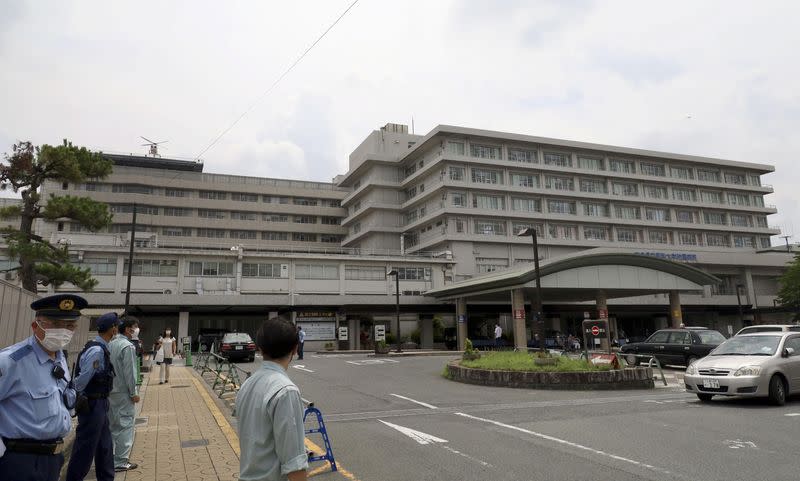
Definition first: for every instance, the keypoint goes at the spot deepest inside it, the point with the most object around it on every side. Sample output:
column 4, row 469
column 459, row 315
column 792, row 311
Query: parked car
column 674, row 346
column 237, row 345
column 765, row 364
column 770, row 328
column 208, row 337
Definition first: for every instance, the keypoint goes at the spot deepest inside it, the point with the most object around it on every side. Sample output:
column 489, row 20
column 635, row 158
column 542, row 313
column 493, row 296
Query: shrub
column 391, row 338
column 470, row 353
column 521, row 361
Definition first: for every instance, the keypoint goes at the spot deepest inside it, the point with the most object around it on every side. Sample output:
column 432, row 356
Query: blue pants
column 92, row 441
column 300, row 350
column 30, row 467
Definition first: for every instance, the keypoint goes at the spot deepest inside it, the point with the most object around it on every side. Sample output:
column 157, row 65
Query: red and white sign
column 595, row 331
column 603, row 313
column 606, row 359
column 519, row 313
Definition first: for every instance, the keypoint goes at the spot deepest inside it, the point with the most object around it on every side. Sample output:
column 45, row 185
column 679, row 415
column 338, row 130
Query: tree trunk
column 27, row 273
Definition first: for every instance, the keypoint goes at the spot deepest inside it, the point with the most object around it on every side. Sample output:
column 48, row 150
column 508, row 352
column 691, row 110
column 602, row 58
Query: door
column 793, row 363
column 655, row 345
column 678, row 347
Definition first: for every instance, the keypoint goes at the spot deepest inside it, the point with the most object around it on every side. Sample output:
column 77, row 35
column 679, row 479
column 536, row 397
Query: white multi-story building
column 441, row 209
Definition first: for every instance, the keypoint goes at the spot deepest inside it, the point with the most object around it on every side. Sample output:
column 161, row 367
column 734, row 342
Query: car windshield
column 748, row 346
column 237, row 337
column 747, row 330
column 711, row 337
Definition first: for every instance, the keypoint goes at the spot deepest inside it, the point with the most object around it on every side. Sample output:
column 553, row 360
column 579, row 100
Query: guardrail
column 227, row 378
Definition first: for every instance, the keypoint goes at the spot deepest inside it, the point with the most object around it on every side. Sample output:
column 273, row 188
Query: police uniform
column 35, row 397
column 94, row 377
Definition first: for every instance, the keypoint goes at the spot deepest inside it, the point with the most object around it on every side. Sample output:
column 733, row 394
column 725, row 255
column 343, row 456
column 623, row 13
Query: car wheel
column 690, row 360
column 777, row 391
column 704, row 397
column 632, row 360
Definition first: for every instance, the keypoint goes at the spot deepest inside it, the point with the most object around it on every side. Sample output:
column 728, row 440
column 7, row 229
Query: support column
column 676, row 317
column 183, row 327
column 426, row 334
column 461, row 323
column 518, row 315
column 354, row 334
column 601, row 304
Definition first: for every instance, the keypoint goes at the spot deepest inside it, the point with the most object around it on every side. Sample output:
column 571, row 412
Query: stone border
column 629, row 378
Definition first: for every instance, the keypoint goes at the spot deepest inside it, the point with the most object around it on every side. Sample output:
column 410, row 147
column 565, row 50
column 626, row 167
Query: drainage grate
column 194, row 443
column 140, row 421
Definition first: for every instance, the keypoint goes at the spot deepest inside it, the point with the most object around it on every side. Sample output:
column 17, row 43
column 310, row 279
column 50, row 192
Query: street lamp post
column 130, row 262
column 394, row 273
column 537, row 307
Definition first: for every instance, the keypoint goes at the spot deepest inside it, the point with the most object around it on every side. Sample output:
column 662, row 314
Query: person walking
column 301, row 341
column 170, row 346
column 124, row 394
column 94, row 379
column 270, row 411
column 498, row 335
column 36, row 393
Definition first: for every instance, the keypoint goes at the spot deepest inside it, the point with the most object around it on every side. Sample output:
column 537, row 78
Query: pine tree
column 25, row 171
column 789, row 293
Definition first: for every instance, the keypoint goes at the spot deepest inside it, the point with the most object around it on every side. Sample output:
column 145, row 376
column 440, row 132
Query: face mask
column 55, row 339
column 136, row 333
column 168, row 333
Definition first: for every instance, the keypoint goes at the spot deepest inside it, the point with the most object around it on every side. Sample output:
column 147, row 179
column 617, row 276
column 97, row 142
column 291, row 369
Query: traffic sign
column 595, row 331
column 603, row 313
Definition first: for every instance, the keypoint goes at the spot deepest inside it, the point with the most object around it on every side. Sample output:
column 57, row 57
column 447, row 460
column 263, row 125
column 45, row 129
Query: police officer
column 124, row 395
column 94, row 377
column 35, row 393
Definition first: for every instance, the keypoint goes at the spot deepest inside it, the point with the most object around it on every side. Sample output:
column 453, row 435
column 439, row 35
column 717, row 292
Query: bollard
column 187, row 353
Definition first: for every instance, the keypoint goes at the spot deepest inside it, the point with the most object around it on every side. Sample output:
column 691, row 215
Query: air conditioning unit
column 10, row 276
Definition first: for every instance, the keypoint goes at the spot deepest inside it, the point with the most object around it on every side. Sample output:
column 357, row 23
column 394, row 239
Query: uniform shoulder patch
column 21, row 352
column 96, row 364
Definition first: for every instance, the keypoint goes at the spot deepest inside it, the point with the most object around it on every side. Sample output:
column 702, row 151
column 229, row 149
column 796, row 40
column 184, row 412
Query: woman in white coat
column 169, row 346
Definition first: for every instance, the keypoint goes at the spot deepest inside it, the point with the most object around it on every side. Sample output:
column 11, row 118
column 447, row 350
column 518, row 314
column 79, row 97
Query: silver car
column 765, row 364
column 769, row 328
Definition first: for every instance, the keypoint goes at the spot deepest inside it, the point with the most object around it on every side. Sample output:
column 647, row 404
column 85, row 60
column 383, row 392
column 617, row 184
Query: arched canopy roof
column 579, row 276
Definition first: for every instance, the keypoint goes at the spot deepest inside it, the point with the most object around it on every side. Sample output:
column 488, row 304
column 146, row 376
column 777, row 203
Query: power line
column 276, row 82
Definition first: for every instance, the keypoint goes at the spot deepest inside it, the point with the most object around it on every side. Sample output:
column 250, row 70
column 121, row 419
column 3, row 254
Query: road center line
column 567, row 443
column 429, row 406
column 792, row 414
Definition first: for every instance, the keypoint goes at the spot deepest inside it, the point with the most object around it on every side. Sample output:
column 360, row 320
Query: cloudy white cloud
column 626, row 73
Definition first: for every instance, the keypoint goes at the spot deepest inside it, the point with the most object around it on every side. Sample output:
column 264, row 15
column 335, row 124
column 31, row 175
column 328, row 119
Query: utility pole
column 130, row 260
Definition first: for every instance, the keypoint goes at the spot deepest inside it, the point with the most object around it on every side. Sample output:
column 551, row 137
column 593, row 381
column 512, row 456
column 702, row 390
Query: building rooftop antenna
column 786, row 238
column 153, row 150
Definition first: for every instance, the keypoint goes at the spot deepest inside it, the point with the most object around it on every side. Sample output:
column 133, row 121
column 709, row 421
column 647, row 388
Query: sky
column 711, row 78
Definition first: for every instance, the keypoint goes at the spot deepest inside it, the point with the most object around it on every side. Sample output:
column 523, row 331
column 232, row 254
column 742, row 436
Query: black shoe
column 160, row 382
column 167, row 380
column 125, row 467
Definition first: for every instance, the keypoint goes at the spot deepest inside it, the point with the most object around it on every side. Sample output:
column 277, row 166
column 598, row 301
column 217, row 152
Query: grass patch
column 446, row 373
column 521, row 361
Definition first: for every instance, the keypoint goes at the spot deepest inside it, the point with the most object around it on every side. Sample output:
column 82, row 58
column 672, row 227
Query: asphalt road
column 399, row 419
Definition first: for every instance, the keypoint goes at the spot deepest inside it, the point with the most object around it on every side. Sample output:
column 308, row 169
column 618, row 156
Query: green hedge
column 521, row 361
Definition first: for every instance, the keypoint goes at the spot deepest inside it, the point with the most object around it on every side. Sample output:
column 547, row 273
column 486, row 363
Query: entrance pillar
column 461, row 323
column 518, row 314
column 676, row 317
column 601, row 304
column 426, row 334
column 354, row 334
column 183, row 327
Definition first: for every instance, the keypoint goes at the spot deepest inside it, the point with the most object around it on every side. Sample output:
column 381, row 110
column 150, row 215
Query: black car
column 674, row 346
column 237, row 345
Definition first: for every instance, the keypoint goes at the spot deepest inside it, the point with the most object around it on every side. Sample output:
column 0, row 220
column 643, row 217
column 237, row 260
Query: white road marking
column 301, row 367
column 792, row 414
column 370, row 362
column 738, row 444
column 429, row 406
column 418, row 436
column 567, row 443
column 454, row 451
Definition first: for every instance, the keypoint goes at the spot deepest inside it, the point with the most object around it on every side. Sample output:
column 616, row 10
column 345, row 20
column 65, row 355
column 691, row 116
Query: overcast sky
column 708, row 78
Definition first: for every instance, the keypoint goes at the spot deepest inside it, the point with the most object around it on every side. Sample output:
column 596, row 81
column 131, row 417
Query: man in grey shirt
column 124, row 395
column 270, row 411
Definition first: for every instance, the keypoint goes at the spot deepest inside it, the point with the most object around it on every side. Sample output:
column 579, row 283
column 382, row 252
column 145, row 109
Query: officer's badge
column 66, row 304
column 96, row 364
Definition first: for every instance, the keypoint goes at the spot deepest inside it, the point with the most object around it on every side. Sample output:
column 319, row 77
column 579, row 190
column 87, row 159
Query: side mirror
column 789, row 351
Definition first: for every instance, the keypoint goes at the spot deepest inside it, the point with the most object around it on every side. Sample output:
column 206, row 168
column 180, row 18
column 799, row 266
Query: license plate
column 711, row 383
column 239, row 348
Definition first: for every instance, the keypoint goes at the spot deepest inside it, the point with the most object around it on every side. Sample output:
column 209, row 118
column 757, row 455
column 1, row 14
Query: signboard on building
column 462, row 318
column 319, row 326
column 602, row 313
column 343, row 333
column 519, row 313
column 380, row 332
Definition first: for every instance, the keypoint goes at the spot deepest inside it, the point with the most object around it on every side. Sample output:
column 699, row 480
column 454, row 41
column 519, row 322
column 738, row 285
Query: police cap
column 107, row 321
column 61, row 306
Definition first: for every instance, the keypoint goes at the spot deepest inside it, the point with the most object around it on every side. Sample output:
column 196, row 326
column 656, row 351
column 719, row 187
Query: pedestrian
column 124, row 394
column 301, row 342
column 498, row 334
column 270, row 411
column 169, row 346
column 34, row 410
column 94, row 377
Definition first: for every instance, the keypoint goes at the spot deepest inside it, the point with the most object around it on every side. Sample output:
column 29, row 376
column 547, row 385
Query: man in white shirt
column 498, row 334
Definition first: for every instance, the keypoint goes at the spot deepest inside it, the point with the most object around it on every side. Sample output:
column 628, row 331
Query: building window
column 94, row 187
column 755, row 180
column 176, row 231
column 177, row 193
column 595, row 210
column 526, row 205
column 152, row 268
column 485, row 176
column 490, row 227
column 331, row 203
column 456, row 148
column 304, row 237
column 212, row 195
column 595, row 233
column 707, row 175
column 557, row 159
column 131, row 189
column 241, row 197
column 657, row 170
column 687, row 216
column 717, row 240
column 758, row 201
column 741, row 220
column 459, row 226
column 267, row 271
column 625, row 189
column 522, row 155
column 738, row 179
column 364, row 273
column 761, row 221
column 488, row 264
column 457, row 173
column 655, row 192
column 243, row 234
column 629, row 235
column 681, row 173
column 305, row 219
column 411, row 216
column 689, row 239
column 524, row 180
column 485, row 151
column 331, row 238
column 561, row 207
column 272, row 199
column 274, row 217
column 738, row 199
column 709, row 197
column 590, row 163
column 686, row 195
column 563, row 231
column 210, row 214
column 717, row 218
column 458, row 199
column 177, row 211
column 212, row 233
column 627, row 212
column 316, row 271
column 330, row 221
column 520, row 226
column 211, row 269
column 410, row 193
column 660, row 237
column 743, row 241
column 559, row 183
column 305, row 201
column 622, row 166
column 269, row 235
column 493, row 202
column 102, row 266
column 243, row 215
column 765, row 243
column 597, row 186
column 356, row 227
column 128, row 209
column 656, row 214
column 413, row 273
